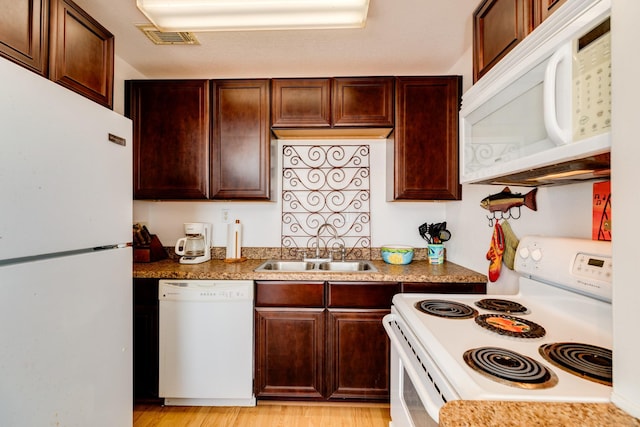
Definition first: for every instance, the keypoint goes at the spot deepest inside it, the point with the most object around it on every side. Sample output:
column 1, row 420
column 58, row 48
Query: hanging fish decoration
column 501, row 204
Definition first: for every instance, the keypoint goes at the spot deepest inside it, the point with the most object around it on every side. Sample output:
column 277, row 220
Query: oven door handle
column 432, row 408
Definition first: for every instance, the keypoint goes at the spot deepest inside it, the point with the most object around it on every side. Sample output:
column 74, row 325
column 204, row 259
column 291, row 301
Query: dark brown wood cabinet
column 498, row 26
column 425, row 151
column 81, row 52
column 170, row 137
column 300, row 103
column 200, row 139
column 24, row 33
column 443, row 288
column 362, row 101
column 241, row 140
column 289, row 349
column 309, row 348
column 145, row 340
column 542, row 9
column 289, row 340
column 60, row 41
column 332, row 102
column 358, row 348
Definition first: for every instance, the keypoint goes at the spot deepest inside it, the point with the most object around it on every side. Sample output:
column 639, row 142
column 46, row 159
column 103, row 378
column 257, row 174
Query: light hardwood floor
column 263, row 415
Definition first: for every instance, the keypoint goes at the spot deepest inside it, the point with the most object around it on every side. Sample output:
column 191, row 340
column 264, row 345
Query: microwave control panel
column 592, row 82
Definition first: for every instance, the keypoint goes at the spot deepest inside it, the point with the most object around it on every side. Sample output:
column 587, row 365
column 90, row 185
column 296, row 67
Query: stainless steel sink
column 347, row 266
column 274, row 265
column 319, row 267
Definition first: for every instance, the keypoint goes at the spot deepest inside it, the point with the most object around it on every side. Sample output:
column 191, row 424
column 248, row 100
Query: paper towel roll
column 234, row 240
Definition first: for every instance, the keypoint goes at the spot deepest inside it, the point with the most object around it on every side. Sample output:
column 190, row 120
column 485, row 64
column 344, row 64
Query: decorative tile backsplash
column 326, row 184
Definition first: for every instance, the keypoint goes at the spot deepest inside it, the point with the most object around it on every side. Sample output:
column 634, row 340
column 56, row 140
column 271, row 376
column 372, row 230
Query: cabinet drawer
column 289, row 294
column 361, row 294
column 444, row 288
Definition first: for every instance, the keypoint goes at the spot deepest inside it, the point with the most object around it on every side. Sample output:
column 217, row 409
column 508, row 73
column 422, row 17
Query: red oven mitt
column 495, row 252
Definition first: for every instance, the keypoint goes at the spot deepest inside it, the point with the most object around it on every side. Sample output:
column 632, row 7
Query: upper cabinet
column 499, row 25
column 543, row 8
column 58, row 40
column 170, row 138
column 349, row 106
column 362, row 101
column 301, row 103
column 425, row 147
column 200, row 139
column 24, row 33
column 81, row 55
column 241, row 140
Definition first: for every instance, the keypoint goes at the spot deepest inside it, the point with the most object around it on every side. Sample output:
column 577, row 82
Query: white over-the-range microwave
column 542, row 115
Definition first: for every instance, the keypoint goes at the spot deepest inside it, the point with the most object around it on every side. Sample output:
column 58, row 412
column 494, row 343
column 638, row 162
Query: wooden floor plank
column 263, row 415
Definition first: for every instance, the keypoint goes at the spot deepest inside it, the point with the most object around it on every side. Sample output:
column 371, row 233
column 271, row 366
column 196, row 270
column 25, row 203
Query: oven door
column 418, row 388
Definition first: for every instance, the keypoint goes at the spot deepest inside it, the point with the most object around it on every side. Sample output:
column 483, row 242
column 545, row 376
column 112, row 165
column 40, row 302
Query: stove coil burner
column 511, row 326
column 510, row 368
column 448, row 309
column 584, row 360
column 502, row 306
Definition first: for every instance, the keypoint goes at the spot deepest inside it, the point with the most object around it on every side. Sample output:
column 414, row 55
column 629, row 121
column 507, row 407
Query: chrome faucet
column 335, row 236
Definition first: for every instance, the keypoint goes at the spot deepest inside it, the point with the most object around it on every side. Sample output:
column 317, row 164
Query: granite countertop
column 417, row 271
column 479, row 413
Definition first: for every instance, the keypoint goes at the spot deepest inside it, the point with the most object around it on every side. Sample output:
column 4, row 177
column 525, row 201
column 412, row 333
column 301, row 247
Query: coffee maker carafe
column 196, row 246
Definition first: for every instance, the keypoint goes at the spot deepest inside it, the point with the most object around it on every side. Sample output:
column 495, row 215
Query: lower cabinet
column 357, row 355
column 309, row 347
column 289, row 348
column 145, row 340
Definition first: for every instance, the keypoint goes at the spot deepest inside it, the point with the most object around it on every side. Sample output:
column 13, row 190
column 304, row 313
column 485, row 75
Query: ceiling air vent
column 159, row 37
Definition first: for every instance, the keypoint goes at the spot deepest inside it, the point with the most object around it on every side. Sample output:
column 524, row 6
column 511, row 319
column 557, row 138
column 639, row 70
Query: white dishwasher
column 206, row 342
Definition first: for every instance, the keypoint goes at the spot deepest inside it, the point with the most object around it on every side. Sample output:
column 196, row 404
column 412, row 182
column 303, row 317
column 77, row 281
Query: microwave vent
column 569, row 172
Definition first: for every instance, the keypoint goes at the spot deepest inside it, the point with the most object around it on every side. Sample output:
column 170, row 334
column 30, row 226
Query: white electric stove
column 550, row 342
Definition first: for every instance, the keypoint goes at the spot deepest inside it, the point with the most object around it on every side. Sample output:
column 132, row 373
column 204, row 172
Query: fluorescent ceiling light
column 235, row 15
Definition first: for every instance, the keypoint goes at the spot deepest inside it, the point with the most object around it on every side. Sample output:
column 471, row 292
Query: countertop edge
column 482, row 413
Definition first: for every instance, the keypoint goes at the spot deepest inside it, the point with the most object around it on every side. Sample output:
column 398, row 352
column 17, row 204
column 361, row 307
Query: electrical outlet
column 225, row 216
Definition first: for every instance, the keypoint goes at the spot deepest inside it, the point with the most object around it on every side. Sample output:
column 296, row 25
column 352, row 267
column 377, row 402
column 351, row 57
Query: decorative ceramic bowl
column 397, row 254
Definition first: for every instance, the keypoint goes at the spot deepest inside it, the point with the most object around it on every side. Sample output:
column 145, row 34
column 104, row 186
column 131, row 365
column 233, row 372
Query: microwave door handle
column 556, row 134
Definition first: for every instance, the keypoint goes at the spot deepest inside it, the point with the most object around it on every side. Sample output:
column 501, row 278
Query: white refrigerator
column 65, row 258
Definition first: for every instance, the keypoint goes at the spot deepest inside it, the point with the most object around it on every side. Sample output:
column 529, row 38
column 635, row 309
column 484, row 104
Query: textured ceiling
column 402, row 37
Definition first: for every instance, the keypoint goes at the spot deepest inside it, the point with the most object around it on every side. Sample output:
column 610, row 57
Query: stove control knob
column 524, row 253
column 536, row 254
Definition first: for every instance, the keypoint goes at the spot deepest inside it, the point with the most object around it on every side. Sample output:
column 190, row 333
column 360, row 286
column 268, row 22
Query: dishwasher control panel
column 205, row 290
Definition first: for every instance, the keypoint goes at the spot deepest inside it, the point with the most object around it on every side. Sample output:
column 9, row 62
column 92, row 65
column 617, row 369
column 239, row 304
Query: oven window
column 416, row 409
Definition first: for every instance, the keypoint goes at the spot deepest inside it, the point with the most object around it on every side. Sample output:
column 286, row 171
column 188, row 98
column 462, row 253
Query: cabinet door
column 366, row 101
column 289, row 353
column 170, row 137
column 240, row 160
column 361, row 294
column 273, row 293
column 300, row 103
column 444, row 288
column 425, row 151
column 358, row 355
column 544, row 8
column 81, row 53
column 24, row 33
column 145, row 340
column 498, row 26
